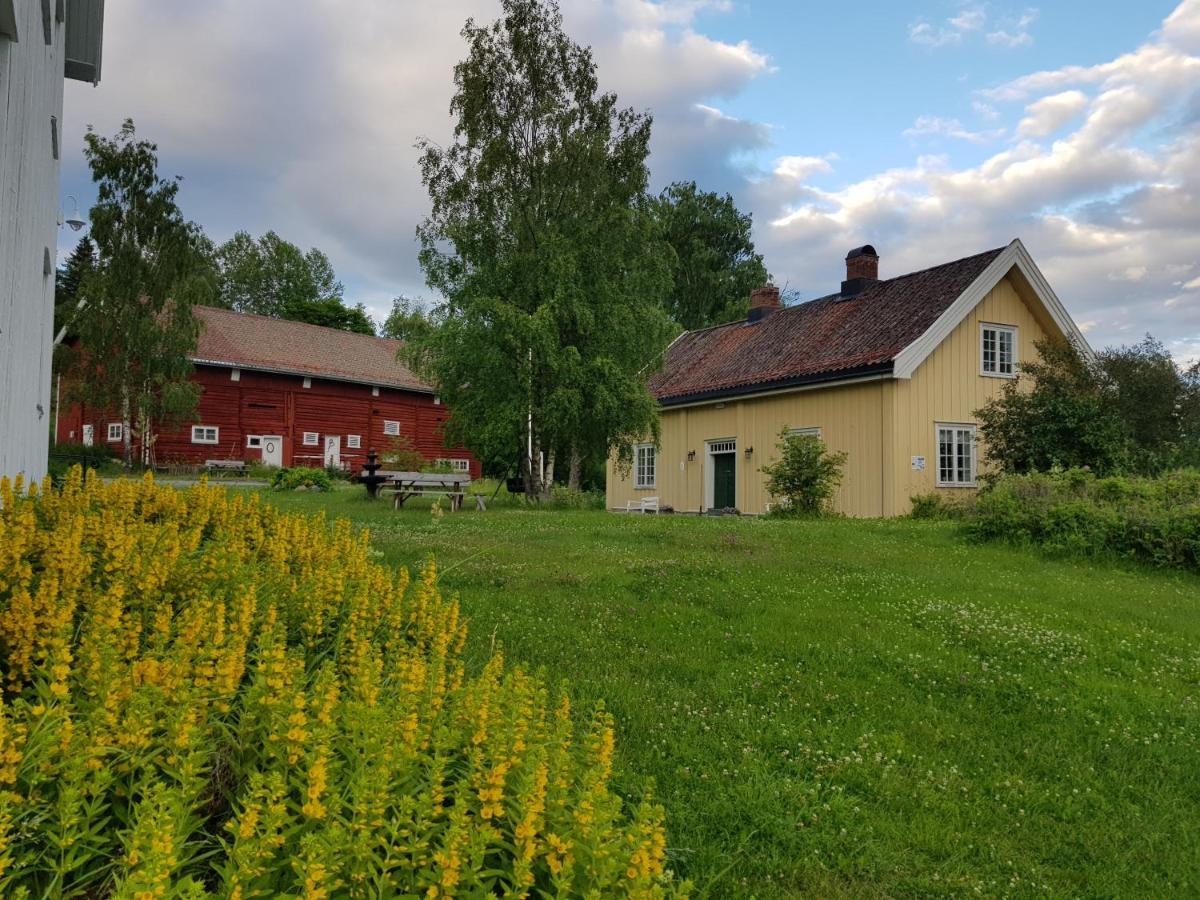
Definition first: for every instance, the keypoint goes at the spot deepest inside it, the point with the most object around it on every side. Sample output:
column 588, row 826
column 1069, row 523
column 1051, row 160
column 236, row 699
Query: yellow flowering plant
column 206, row 697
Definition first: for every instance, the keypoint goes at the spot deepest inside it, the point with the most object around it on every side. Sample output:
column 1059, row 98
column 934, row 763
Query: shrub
column 937, row 506
column 203, row 696
column 400, row 455
column 804, row 477
column 563, row 497
column 301, row 477
column 1156, row 520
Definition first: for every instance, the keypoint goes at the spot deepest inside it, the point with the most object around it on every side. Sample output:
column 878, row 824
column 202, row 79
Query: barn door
column 333, row 450
column 272, row 450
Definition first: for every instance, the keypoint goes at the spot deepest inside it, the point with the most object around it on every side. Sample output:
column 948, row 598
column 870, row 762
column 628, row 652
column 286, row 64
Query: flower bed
column 205, row 696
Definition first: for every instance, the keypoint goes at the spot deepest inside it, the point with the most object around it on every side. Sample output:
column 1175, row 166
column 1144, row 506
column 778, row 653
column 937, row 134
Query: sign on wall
column 918, row 464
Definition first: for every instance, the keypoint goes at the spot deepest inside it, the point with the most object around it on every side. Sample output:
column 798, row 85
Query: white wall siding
column 31, row 92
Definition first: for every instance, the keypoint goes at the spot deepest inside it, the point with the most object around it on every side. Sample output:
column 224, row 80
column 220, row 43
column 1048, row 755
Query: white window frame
column 957, row 429
column 235, row 374
column 645, row 467
column 254, row 440
column 206, row 434
column 806, row 431
column 354, row 442
column 375, row 392
column 307, row 382
column 118, row 434
column 312, row 439
column 458, row 465
column 391, row 428
column 998, row 371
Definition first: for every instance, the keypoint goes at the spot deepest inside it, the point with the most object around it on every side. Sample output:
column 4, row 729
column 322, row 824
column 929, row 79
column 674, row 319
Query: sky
column 931, row 129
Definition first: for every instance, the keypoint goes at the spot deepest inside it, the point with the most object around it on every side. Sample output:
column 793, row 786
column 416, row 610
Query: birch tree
column 539, row 241
column 136, row 328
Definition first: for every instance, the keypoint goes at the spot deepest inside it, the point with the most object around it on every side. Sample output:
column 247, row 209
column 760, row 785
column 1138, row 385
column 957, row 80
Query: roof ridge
column 296, row 322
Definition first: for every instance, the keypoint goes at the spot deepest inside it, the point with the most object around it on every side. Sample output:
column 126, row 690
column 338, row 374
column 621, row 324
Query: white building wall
column 31, row 93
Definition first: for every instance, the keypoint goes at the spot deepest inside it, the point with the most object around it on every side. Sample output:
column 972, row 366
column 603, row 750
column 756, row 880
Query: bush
column 204, row 696
column 301, row 477
column 1156, row 520
column 937, row 506
column 63, row 456
column 563, row 497
column 803, row 479
column 400, row 455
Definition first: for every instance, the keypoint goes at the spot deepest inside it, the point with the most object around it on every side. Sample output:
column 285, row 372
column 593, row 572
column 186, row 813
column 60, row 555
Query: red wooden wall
column 262, row 403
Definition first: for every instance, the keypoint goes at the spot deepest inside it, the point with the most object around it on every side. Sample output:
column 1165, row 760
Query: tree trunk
column 548, row 480
column 575, row 472
column 126, row 430
column 533, row 480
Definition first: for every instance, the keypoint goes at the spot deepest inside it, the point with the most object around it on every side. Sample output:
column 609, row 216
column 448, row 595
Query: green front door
column 724, row 480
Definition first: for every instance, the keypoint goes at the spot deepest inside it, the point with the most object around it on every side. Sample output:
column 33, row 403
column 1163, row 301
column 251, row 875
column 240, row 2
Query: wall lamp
column 749, row 452
column 74, row 217
column 691, row 456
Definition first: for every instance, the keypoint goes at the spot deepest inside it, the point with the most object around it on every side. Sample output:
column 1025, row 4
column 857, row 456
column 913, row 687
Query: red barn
column 290, row 394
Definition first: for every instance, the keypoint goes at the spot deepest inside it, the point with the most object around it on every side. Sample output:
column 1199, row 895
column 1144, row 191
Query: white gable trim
column 1013, row 256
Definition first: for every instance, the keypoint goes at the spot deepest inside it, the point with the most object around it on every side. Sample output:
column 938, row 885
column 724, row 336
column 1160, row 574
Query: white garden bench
column 644, row 505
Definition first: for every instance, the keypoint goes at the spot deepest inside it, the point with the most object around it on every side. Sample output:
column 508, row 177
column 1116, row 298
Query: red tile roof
column 247, row 341
column 825, row 339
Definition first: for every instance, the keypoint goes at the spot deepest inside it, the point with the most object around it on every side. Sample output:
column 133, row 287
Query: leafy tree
column 68, row 279
column 805, row 477
column 714, row 265
column 553, row 273
column 273, row 277
column 1060, row 412
column 136, row 327
column 408, row 320
column 1158, row 402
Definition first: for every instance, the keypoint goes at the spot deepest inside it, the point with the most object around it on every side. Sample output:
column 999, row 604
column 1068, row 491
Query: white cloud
column 1015, row 33
column 1049, row 114
column 985, row 110
column 951, row 128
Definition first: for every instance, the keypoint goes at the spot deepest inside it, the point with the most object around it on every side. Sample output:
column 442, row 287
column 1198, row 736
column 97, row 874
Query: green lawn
column 848, row 708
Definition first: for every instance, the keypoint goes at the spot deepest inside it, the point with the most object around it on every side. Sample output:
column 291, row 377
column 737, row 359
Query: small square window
column 235, row 374
column 354, row 441
column 374, row 392
column 391, row 428
column 311, row 438
column 644, row 465
column 998, row 350
column 116, row 431
column 254, row 440
column 308, row 382
column 205, row 434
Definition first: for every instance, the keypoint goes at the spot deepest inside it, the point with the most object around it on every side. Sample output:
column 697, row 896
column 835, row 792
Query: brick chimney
column 862, row 270
column 763, row 302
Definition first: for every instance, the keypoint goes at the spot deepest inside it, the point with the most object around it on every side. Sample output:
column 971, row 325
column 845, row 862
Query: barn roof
column 246, row 341
column 830, row 338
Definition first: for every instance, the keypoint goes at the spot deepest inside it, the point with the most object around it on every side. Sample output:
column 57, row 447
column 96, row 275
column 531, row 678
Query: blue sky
column 931, row 130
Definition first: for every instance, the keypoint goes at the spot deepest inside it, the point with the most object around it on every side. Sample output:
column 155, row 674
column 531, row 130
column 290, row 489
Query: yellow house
column 890, row 372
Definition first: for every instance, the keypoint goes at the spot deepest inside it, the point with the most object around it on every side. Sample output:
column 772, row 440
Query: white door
column 272, row 450
column 89, row 435
column 333, row 450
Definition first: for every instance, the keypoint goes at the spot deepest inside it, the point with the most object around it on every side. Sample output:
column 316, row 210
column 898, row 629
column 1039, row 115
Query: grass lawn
column 849, row 708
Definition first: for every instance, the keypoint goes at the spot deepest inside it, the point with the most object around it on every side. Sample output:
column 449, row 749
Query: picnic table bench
column 230, row 466
column 403, row 485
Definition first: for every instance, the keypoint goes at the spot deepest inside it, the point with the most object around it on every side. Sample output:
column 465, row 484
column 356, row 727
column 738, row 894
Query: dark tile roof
column 825, row 339
column 260, row 342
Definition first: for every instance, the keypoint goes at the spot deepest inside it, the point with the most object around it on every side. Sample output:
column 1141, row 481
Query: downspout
column 57, row 406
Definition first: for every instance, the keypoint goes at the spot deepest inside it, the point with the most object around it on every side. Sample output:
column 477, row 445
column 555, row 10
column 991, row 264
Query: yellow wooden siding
column 948, row 387
column 850, row 418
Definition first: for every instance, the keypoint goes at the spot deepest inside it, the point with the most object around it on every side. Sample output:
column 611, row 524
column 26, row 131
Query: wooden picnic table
column 426, row 484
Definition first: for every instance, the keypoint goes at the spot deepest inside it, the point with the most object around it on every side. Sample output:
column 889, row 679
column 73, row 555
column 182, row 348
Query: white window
column 308, row 382
column 116, row 431
column 311, row 438
column 254, row 440
column 458, row 465
column 956, row 455
column 205, row 434
column 722, row 447
column 644, row 465
column 998, row 350
column 806, row 432
column 374, row 392
column 354, row 441
column 437, row 401
column 235, row 374
column 391, row 428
